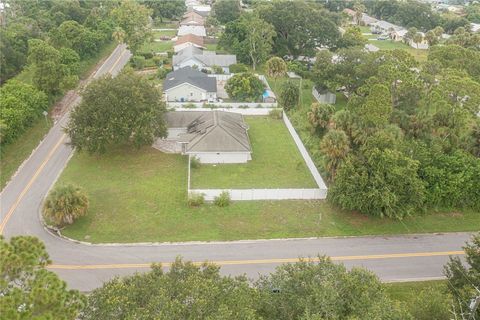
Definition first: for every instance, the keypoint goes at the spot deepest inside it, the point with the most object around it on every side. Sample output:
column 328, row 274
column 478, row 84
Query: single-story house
column 193, row 56
column 191, row 3
column 188, row 84
column 187, row 41
column 385, row 27
column 423, row 45
column 192, row 19
column 195, row 30
column 210, row 136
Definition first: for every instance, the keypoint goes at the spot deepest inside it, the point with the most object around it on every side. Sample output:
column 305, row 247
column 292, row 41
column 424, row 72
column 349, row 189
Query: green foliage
column 29, row 291
column 222, row 200
column 335, row 147
column 463, row 282
column 71, row 34
column 138, row 62
column 13, row 49
column 238, row 68
column 383, row 183
column 300, row 26
column 245, row 87
column 165, row 9
column 276, row 67
column 457, row 57
column 352, row 37
column 276, row 113
column 250, row 38
column 429, row 302
column 324, row 290
column 226, row 10
column 132, row 19
column 64, row 205
column 125, row 109
column 319, row 116
column 20, row 105
column 196, row 199
column 195, row 162
column 217, row 69
column 289, row 95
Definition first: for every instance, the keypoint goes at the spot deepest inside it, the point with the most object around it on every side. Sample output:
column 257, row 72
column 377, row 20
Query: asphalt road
column 84, row 267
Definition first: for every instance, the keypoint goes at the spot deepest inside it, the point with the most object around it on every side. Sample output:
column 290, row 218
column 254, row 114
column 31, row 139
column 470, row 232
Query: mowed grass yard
column 140, row 196
column 276, row 162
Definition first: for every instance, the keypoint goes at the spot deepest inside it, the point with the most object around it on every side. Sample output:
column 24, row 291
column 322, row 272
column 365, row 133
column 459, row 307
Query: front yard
column 276, row 162
column 140, row 196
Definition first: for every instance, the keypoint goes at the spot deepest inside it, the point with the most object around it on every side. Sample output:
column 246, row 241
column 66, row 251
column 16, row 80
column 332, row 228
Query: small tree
column 65, row 204
column 245, row 87
column 289, row 95
column 319, row 116
column 222, row 200
column 417, row 38
column 276, row 68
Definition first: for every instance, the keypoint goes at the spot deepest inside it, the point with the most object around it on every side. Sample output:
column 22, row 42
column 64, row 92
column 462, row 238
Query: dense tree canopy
column 166, row 9
column 27, row 289
column 245, row 87
column 133, row 19
column 300, row 26
column 226, row 10
column 124, row 109
column 250, row 38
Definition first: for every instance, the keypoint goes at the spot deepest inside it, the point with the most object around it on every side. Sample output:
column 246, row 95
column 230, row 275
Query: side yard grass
column 276, row 162
column 140, row 196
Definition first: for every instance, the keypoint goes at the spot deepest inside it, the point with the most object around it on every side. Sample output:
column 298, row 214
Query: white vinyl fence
column 272, row 194
column 226, row 105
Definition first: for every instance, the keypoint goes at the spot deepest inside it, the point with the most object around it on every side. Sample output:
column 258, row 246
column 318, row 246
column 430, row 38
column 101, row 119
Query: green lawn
column 140, row 195
column 406, row 291
column 211, row 46
column 169, row 33
column 14, row 154
column 420, row 55
column 276, row 162
column 155, row 46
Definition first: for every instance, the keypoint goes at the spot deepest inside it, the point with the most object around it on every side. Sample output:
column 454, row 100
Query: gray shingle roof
column 211, row 131
column 191, row 76
column 207, row 58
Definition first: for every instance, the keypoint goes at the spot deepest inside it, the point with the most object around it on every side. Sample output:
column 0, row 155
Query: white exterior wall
column 223, row 157
column 187, row 92
column 264, row 194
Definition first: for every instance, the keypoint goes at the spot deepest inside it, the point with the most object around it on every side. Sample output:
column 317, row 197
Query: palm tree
column 319, row 116
column 335, row 147
column 118, row 34
column 64, row 205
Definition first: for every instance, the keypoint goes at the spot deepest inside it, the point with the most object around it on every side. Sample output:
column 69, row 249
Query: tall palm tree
column 118, row 35
column 335, row 147
column 64, row 205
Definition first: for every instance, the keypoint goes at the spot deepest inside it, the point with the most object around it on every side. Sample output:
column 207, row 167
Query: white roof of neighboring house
column 202, row 8
column 401, row 32
column 385, row 25
column 195, row 30
column 475, row 27
column 207, row 58
column 367, row 19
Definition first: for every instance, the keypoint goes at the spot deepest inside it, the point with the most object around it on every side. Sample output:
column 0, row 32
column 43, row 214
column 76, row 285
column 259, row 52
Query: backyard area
column 276, row 162
column 140, row 195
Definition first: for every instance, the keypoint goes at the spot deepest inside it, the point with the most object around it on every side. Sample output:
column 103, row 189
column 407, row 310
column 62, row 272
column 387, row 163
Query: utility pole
column 474, row 303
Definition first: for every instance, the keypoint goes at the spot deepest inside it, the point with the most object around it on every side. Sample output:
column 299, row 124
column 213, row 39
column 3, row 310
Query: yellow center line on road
column 29, row 184
column 252, row 262
column 40, row 168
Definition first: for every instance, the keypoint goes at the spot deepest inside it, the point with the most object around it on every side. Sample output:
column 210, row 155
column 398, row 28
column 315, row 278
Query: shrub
column 206, row 71
column 162, row 73
column 194, row 162
column 64, row 205
column 222, row 200
column 138, row 62
column 238, row 68
column 217, row 69
column 157, row 60
column 289, row 95
column 244, row 87
column 276, row 113
column 196, row 199
column 146, row 55
column 169, row 54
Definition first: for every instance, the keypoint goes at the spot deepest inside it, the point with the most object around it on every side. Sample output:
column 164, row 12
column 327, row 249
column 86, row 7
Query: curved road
column 85, row 267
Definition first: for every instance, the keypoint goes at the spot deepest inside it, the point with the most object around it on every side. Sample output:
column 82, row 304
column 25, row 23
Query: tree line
column 305, row 290
column 51, row 39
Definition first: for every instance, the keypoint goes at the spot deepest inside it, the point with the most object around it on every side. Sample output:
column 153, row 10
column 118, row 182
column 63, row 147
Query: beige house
column 189, row 85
